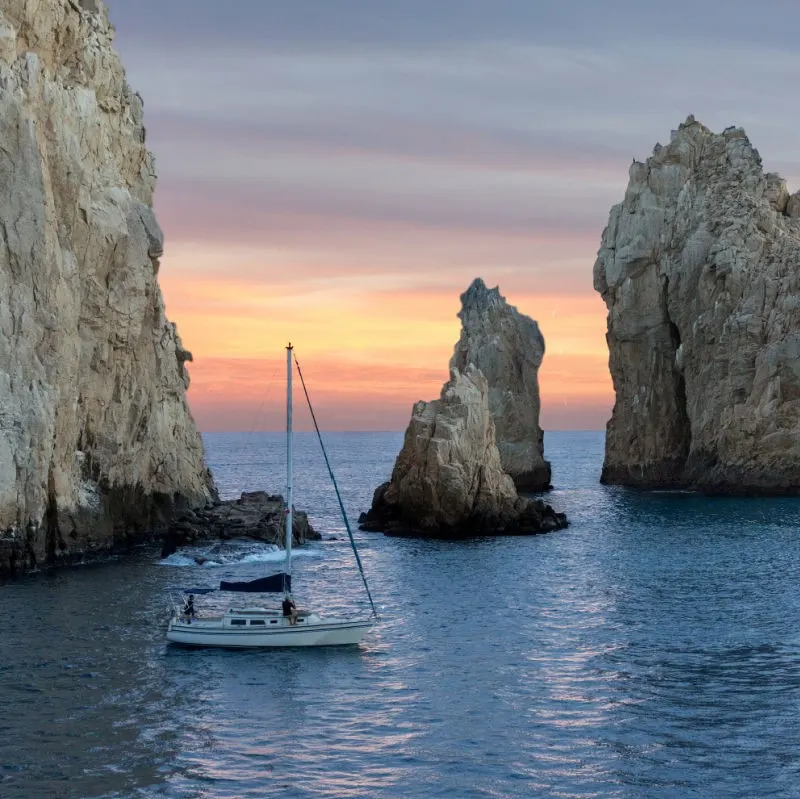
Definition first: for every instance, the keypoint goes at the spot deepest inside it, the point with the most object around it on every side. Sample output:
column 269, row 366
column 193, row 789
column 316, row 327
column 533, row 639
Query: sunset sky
column 336, row 172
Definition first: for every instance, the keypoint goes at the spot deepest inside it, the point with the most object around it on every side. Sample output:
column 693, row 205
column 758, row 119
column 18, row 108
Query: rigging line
column 335, row 487
column 264, row 397
column 257, row 417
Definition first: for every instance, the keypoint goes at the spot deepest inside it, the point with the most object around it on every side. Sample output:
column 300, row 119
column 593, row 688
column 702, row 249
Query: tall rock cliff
column 508, row 348
column 97, row 445
column 700, row 270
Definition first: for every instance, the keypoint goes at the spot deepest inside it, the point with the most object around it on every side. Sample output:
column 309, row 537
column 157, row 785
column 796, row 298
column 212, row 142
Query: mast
column 289, row 454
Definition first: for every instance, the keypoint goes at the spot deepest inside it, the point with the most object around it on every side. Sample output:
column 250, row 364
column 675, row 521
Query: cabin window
column 257, row 621
column 239, row 622
column 274, row 621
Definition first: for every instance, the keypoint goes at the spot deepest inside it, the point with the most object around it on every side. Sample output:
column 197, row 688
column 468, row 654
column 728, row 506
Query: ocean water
column 652, row 649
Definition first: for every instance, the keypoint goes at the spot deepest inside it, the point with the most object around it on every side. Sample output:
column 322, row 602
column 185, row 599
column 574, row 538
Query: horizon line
column 252, row 432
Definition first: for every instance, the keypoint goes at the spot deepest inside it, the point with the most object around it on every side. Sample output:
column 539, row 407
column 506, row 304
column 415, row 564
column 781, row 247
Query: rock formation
column 448, row 480
column 700, row 269
column 508, row 348
column 97, row 446
column 255, row 515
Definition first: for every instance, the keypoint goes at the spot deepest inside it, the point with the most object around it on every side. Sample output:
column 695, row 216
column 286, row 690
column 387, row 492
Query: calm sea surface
column 650, row 650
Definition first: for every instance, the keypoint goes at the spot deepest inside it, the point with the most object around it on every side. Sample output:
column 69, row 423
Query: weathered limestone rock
column 793, row 205
column 448, row 480
column 97, row 446
column 255, row 515
column 700, row 270
column 508, row 348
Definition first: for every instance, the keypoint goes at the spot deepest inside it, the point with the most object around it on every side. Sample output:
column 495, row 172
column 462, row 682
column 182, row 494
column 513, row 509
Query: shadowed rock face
column 700, row 270
column 97, row 446
column 255, row 515
column 448, row 480
column 508, row 348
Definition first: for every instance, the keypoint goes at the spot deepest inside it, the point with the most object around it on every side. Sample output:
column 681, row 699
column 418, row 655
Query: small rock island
column 256, row 515
column 699, row 268
column 449, row 479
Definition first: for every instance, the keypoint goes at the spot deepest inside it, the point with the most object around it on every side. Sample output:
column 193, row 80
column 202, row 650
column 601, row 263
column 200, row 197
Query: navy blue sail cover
column 275, row 583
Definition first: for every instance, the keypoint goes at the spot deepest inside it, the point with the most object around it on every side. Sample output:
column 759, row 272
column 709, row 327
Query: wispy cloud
column 318, row 25
column 343, row 170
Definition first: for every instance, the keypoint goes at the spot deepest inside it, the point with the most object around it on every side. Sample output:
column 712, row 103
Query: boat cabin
column 258, row 617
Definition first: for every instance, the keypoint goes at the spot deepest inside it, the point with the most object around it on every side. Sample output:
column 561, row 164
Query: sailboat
column 256, row 626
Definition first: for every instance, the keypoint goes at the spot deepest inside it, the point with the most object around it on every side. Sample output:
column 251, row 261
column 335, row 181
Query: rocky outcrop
column 448, row 480
column 508, row 348
column 97, row 446
column 700, row 270
column 255, row 515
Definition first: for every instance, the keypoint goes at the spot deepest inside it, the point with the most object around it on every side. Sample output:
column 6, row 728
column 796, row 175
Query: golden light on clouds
column 370, row 345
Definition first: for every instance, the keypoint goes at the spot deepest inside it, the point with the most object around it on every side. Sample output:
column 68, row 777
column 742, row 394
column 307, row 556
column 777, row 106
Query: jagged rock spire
column 508, row 348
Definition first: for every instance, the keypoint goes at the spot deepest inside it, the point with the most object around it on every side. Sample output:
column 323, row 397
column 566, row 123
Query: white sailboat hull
column 268, row 631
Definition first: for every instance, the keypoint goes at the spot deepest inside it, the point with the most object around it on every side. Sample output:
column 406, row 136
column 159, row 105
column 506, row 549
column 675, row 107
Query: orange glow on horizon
column 369, row 348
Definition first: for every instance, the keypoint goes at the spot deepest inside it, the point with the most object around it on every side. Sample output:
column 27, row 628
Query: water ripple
column 650, row 650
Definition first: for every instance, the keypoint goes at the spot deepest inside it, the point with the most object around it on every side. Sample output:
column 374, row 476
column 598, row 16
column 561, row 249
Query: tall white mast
column 289, row 459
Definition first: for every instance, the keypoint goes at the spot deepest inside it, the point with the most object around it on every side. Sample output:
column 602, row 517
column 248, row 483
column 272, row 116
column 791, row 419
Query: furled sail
column 275, row 583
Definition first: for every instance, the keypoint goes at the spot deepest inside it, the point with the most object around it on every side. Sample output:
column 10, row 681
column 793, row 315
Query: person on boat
column 188, row 608
column 289, row 609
